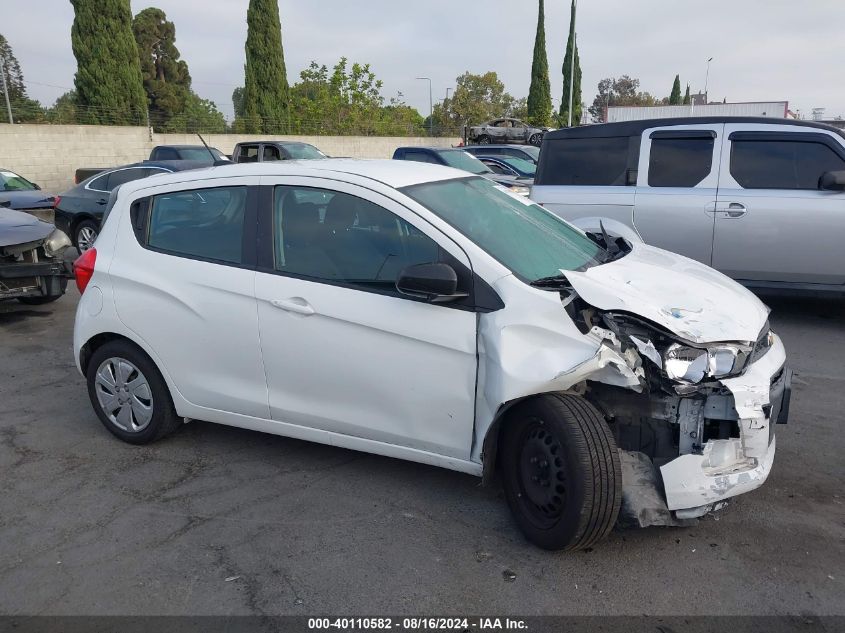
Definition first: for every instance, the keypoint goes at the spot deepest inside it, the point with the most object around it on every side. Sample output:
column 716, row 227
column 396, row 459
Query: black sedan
column 79, row 211
column 16, row 192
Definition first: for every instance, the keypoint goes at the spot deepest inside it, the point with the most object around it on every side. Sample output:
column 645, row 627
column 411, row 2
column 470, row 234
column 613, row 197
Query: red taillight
column 83, row 268
column 56, row 201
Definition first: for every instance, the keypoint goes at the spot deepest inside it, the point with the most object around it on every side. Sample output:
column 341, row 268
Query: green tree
column 64, row 110
column 167, row 82
column 109, row 88
column 568, row 79
column 266, row 90
column 540, row 94
column 675, row 95
column 624, row 91
column 198, row 115
column 687, row 96
column 238, row 101
column 479, row 98
column 24, row 109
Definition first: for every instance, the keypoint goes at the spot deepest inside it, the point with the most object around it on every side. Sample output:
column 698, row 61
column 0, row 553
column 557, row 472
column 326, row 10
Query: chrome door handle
column 294, row 304
column 733, row 210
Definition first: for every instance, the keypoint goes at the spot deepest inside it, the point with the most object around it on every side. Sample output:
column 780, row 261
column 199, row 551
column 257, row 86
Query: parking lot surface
column 223, row 521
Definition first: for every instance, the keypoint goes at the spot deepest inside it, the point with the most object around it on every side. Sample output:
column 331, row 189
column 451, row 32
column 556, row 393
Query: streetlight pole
column 6, row 92
column 707, row 80
column 572, row 64
column 430, row 106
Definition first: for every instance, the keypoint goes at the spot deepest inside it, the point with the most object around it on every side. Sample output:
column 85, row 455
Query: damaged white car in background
column 479, row 332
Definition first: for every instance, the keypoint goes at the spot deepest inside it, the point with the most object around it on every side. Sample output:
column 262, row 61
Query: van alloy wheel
column 124, row 395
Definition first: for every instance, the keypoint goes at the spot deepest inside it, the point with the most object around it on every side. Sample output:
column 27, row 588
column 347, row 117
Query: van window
column 782, row 164
column 333, row 236
column 201, row 223
column 585, row 161
column 679, row 162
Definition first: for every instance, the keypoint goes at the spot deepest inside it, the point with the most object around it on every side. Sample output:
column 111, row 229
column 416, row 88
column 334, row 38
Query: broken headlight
column 692, row 364
column 55, row 243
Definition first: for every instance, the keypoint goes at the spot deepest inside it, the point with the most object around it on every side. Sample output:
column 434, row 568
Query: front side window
column 585, row 162
column 680, row 162
column 526, row 238
column 270, row 153
column 201, row 223
column 166, row 153
column 781, row 164
column 333, row 236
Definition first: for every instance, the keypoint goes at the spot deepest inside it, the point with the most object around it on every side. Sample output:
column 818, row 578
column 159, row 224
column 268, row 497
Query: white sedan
column 422, row 313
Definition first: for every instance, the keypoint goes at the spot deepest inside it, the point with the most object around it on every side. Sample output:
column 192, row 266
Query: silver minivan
column 759, row 199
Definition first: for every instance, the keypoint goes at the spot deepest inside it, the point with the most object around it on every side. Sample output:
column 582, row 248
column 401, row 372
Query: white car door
column 677, row 182
column 343, row 351
column 773, row 223
column 184, row 284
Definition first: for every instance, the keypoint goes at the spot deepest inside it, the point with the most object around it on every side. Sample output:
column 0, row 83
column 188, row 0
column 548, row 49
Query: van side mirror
column 435, row 282
column 832, row 181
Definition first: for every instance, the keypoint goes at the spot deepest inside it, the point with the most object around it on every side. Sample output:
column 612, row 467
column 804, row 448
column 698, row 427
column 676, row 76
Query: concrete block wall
column 50, row 154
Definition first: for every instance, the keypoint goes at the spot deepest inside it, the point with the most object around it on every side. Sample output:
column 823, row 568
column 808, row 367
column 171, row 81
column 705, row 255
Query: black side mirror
column 436, row 282
column 832, row 181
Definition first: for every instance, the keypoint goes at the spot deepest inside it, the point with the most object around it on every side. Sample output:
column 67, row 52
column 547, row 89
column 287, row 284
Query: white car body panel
column 407, row 379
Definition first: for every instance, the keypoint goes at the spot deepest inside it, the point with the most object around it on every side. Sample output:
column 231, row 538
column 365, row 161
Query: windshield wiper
column 554, row 281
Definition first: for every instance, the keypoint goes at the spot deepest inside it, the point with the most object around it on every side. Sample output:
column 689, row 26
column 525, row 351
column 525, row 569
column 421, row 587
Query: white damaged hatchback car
column 418, row 312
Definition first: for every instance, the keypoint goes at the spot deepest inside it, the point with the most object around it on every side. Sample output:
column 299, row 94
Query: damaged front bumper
column 695, row 483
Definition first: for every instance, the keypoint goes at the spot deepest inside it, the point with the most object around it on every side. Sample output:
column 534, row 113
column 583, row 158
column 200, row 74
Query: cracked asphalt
column 223, row 521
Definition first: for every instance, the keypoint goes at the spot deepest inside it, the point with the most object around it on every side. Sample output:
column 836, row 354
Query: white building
column 774, row 109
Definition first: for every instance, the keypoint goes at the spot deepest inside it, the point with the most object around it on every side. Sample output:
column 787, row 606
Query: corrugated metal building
column 775, row 109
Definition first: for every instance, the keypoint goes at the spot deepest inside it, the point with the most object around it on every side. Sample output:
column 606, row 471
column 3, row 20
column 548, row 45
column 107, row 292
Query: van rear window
column 585, row 161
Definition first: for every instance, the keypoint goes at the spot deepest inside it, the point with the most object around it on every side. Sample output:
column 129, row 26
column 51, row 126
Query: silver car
column 759, row 199
column 505, row 130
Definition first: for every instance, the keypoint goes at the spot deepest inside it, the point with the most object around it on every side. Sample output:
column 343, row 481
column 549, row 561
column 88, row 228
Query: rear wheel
column 561, row 471
column 536, row 139
column 129, row 394
column 85, row 234
column 483, row 140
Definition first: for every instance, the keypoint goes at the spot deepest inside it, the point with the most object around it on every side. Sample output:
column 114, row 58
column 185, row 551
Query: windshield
column 304, row 151
column 521, row 165
column 531, row 241
column 10, row 181
column 459, row 159
column 534, row 152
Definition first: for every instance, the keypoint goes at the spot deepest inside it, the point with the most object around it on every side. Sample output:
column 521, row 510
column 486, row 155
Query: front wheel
column 536, row 139
column 561, row 471
column 129, row 394
column 85, row 235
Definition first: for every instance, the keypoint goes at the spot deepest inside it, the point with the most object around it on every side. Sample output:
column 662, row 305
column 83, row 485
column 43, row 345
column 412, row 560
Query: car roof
column 432, row 149
column 271, row 142
column 635, row 128
column 184, row 147
column 498, row 146
column 170, row 165
column 393, row 173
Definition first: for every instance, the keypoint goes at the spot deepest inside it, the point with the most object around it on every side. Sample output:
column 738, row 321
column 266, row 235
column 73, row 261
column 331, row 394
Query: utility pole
column 707, row 80
column 572, row 64
column 430, row 106
column 6, row 91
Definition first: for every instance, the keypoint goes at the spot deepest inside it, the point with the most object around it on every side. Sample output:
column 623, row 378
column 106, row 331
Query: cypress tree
column 571, row 49
column 540, row 93
column 675, row 96
column 108, row 76
column 687, row 96
column 266, row 92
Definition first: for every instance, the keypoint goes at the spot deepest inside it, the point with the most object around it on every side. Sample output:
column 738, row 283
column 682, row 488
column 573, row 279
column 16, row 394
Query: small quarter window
column 201, row 223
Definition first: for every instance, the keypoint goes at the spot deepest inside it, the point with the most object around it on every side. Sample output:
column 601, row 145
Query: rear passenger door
column 184, row 283
column 677, row 183
column 773, row 224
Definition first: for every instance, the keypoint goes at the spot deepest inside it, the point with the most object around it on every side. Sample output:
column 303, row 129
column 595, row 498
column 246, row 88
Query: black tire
column 164, row 419
column 40, row 301
column 483, row 140
column 85, row 225
column 536, row 139
column 574, row 500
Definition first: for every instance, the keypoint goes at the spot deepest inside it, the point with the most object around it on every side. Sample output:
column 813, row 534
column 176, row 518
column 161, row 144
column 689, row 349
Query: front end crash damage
column 693, row 426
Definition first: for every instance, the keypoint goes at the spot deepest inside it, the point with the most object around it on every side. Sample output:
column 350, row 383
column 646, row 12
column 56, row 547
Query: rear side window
column 680, row 162
column 248, row 154
column 585, row 161
column 781, row 164
column 201, row 223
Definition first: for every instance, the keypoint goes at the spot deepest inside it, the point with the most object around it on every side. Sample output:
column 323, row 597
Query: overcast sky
column 772, row 50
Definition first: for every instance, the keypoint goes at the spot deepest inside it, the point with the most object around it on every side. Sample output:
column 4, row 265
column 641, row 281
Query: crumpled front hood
column 689, row 299
column 19, row 228
column 27, row 199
